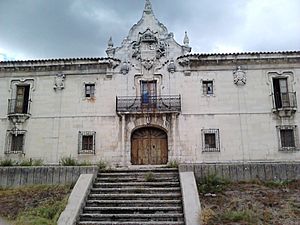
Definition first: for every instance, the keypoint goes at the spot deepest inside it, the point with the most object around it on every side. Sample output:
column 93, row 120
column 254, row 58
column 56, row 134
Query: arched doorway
column 149, row 146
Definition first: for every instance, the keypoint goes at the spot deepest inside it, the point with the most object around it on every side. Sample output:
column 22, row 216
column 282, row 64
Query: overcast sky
column 33, row 29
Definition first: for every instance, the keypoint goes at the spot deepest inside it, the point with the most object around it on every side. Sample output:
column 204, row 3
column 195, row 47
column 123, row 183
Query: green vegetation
column 173, row 164
column 34, row 205
column 149, row 177
column 68, row 161
column 102, row 165
column 24, row 162
column 256, row 202
column 45, row 214
column 212, row 184
column 7, row 162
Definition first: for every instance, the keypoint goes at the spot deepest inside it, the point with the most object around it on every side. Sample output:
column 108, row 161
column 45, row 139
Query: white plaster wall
column 243, row 114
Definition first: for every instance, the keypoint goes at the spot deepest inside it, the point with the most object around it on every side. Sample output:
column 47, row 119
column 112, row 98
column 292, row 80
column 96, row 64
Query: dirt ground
column 14, row 201
column 253, row 203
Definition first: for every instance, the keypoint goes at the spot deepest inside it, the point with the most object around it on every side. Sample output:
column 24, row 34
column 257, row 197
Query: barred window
column 87, row 141
column 15, row 141
column 208, row 87
column 89, row 90
column 210, row 140
column 287, row 138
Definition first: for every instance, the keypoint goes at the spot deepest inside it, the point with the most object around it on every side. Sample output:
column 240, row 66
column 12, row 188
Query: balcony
column 284, row 103
column 18, row 111
column 149, row 104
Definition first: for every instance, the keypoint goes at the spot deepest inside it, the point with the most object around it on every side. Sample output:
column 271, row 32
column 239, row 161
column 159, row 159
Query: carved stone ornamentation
column 172, row 66
column 124, row 68
column 148, row 63
column 59, row 81
column 239, row 76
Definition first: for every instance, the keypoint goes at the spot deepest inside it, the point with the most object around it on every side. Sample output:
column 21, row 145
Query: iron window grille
column 15, row 142
column 86, row 142
column 208, row 87
column 89, row 90
column 288, row 138
column 210, row 140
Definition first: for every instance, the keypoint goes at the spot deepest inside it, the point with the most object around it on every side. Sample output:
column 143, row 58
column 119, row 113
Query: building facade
column 150, row 102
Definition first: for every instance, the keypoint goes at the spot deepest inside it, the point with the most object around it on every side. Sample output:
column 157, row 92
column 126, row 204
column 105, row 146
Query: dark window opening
column 22, row 99
column 17, row 142
column 207, row 87
column 87, row 142
column 89, row 90
column 287, row 138
column 281, row 96
column 210, row 140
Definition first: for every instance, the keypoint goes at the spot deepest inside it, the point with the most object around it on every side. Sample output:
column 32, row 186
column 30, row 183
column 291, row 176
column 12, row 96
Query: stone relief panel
column 239, row 76
column 59, row 81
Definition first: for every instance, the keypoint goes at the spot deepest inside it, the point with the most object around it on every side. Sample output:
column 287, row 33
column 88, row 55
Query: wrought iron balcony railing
column 15, row 106
column 148, row 104
column 284, row 100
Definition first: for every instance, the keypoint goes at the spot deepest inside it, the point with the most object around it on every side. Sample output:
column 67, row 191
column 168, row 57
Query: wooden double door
column 149, row 146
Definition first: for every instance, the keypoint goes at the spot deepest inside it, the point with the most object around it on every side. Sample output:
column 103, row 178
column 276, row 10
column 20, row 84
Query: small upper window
column 89, row 90
column 208, row 87
column 287, row 137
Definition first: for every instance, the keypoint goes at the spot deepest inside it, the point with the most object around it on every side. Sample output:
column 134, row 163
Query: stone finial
column 110, row 43
column 186, row 40
column 148, row 7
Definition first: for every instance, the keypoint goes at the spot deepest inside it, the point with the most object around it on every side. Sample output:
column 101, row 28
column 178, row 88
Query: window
column 15, row 141
column 210, row 140
column 148, row 91
column 86, row 142
column 89, row 90
column 207, row 87
column 287, row 138
column 20, row 104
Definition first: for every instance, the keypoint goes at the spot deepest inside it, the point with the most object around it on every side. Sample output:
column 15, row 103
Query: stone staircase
column 134, row 197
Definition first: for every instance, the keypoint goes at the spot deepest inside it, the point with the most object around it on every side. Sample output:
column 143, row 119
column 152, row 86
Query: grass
column 24, row 162
column 34, row 205
column 212, row 184
column 68, row 161
column 102, row 165
column 149, row 177
column 173, row 164
column 247, row 203
column 45, row 214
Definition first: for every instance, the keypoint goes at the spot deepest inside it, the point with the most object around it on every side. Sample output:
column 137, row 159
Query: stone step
column 138, row 184
column 135, row 190
column 137, row 174
column 132, row 223
column 137, row 203
column 131, row 217
column 176, row 195
column 136, row 179
column 132, row 210
column 150, row 169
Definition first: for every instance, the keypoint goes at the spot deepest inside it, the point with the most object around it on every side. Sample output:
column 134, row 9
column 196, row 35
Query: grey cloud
column 78, row 28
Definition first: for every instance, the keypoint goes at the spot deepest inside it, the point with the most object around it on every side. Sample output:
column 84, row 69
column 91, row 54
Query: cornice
column 59, row 64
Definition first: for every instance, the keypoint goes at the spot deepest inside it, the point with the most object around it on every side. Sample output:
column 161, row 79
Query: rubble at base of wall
column 245, row 171
column 21, row 176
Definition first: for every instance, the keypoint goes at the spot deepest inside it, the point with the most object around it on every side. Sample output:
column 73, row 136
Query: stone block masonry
column 20, row 176
column 245, row 171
